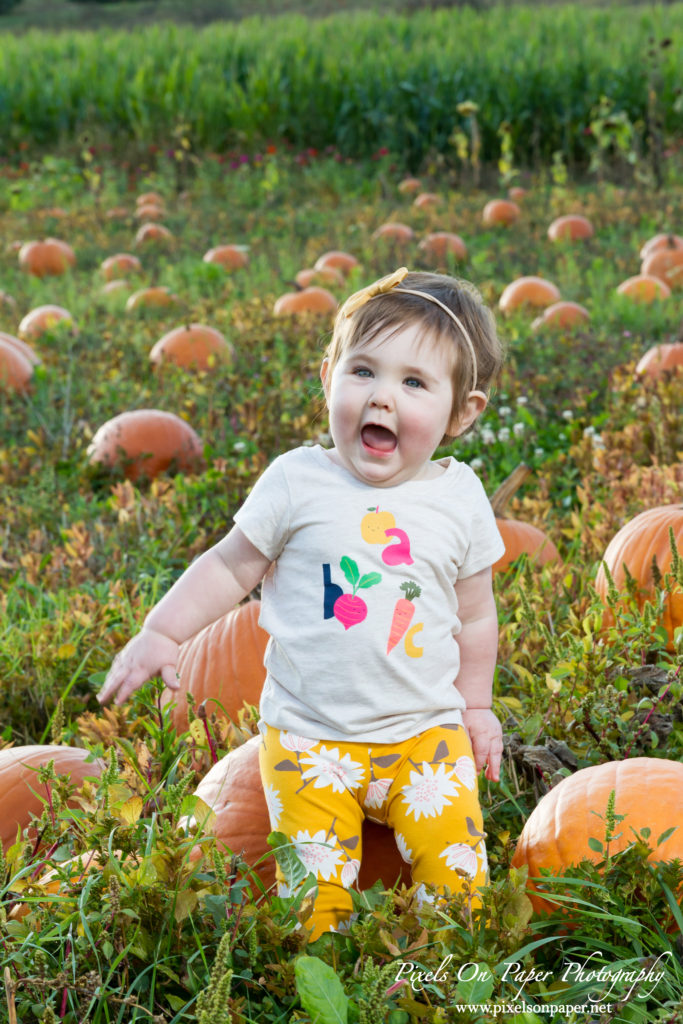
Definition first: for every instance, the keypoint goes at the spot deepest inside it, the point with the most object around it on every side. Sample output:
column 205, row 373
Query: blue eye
column 362, row 371
column 413, row 382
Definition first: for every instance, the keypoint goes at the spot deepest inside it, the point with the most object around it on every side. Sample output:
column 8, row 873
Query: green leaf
column 370, row 579
column 479, row 987
column 350, row 570
column 595, row 844
column 665, row 835
column 290, row 863
column 320, row 991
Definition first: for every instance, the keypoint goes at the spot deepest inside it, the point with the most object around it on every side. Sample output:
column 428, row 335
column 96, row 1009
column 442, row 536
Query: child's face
column 390, row 403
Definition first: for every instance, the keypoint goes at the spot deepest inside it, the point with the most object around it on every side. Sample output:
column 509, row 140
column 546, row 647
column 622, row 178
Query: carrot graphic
column 403, row 613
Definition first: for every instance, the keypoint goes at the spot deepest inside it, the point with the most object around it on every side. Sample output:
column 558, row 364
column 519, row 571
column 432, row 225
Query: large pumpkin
column 153, row 297
column 42, row 319
column 222, row 665
column 439, row 245
column 561, row 316
column 528, row 291
column 146, row 442
column 234, row 791
column 19, row 789
column 661, row 359
column 120, row 263
column 571, row 227
column 638, row 542
column 309, row 300
column 520, row 538
column 500, row 212
column 21, row 346
column 666, row 264
column 557, row 833
column 230, row 257
column 48, row 257
column 644, row 288
column 337, row 258
column 191, row 345
column 15, row 369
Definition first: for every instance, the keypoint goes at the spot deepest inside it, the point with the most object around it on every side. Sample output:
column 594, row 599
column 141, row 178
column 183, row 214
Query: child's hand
column 148, row 654
column 486, row 737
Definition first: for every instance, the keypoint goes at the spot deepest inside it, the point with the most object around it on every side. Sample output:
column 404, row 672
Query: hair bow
column 384, row 284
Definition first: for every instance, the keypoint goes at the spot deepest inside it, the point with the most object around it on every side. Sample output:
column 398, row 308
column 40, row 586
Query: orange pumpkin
column 439, row 245
column 520, row 538
column 222, row 665
column 149, row 197
column 638, row 542
column 233, row 790
column 394, row 231
column 15, row 369
column 644, row 288
column 524, row 539
column 409, row 186
column 560, row 316
column 47, row 258
column 661, row 241
column 145, row 443
column 557, row 833
column 120, row 263
column 342, row 261
column 154, row 233
column 154, row 297
column 230, row 257
column 309, row 300
column 500, row 212
column 19, row 790
column 659, row 359
column 425, row 200
column 528, row 291
column 20, row 346
column 149, row 211
column 666, row 264
column 309, row 276
column 571, row 227
column 42, row 319
column 516, row 192
column 193, row 345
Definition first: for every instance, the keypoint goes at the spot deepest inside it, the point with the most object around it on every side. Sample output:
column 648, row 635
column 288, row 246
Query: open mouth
column 378, row 439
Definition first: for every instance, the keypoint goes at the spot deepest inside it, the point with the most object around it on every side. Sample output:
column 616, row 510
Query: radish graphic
column 348, row 608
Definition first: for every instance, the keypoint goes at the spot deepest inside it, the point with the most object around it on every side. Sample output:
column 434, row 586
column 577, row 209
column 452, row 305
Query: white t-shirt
column 359, row 600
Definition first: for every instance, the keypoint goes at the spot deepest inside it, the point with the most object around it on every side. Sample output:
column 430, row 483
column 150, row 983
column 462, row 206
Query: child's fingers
column 169, row 675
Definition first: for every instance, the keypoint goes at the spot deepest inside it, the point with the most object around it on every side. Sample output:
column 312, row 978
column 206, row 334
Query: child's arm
column 209, row 587
column 478, row 643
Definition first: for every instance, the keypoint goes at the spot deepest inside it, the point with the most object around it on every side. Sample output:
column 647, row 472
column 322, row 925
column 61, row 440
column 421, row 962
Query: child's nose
column 382, row 397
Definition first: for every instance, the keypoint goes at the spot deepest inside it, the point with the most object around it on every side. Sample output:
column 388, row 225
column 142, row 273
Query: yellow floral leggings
column 425, row 789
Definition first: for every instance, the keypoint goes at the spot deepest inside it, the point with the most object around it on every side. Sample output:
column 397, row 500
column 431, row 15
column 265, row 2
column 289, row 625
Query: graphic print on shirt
column 404, row 609
column 377, row 528
column 349, row 609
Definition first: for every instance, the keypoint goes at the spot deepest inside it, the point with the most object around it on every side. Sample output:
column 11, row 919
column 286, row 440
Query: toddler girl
column 377, row 595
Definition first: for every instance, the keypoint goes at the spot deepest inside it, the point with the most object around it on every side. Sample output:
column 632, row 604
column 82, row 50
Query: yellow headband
column 388, row 284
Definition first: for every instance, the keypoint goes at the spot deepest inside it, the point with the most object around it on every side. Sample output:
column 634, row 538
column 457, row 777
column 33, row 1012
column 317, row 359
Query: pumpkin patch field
column 163, row 314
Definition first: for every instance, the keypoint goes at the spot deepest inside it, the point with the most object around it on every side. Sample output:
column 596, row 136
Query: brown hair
column 393, row 310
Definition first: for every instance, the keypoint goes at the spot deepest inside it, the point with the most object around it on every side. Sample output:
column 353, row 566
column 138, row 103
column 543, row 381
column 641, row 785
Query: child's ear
column 474, row 407
column 325, row 376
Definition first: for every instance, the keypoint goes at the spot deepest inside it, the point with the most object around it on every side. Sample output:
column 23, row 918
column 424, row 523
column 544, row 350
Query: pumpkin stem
column 508, row 489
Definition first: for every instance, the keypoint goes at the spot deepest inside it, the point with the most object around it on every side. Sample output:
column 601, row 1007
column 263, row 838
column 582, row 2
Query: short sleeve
column 265, row 515
column 485, row 543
